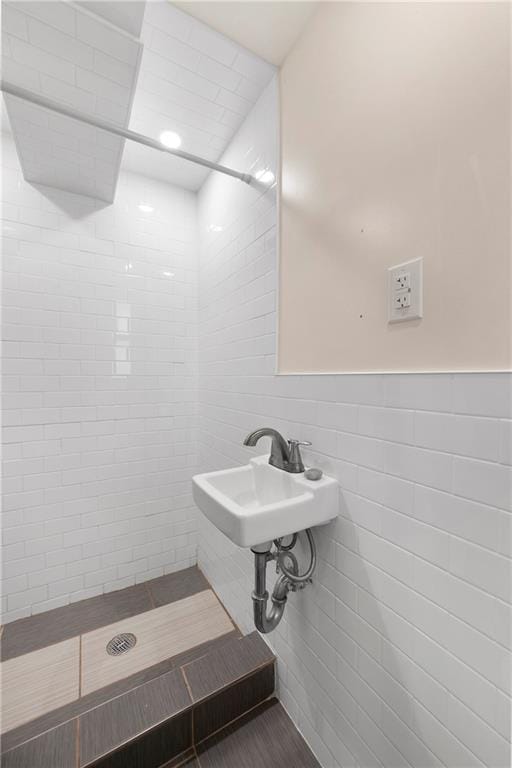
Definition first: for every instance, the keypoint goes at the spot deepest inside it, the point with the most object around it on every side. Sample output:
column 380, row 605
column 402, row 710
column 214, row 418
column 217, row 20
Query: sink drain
column 121, row 643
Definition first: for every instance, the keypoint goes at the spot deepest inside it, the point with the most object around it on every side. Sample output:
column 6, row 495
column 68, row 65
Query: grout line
column 419, row 521
column 220, row 601
column 150, row 595
column 414, row 589
column 202, row 606
column 187, row 758
column 192, row 728
column 423, row 559
column 109, row 24
column 160, row 723
column 238, row 717
column 182, row 670
column 231, row 683
column 113, row 697
column 377, row 438
column 227, row 686
column 196, row 755
column 77, row 742
column 183, row 757
column 131, row 740
column 80, row 666
column 419, row 664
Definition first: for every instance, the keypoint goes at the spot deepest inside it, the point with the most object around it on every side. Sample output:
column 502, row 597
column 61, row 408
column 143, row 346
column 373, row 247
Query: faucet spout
column 279, row 452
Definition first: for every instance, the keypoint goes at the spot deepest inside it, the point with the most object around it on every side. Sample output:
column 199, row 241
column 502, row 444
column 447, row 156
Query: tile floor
column 39, row 681
column 264, row 737
column 161, row 633
column 192, row 686
column 168, row 616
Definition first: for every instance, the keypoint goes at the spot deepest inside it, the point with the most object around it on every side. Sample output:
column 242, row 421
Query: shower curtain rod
column 125, row 133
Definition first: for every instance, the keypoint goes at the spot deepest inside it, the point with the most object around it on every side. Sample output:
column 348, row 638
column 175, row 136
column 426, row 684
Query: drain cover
column 121, row 643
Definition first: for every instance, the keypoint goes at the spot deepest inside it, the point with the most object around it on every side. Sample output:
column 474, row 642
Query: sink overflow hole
column 121, row 643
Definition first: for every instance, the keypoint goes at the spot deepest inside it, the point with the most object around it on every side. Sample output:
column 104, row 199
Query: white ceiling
column 194, row 81
column 268, row 29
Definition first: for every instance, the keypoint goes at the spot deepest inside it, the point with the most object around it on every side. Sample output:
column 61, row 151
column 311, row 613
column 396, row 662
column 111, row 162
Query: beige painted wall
column 395, row 145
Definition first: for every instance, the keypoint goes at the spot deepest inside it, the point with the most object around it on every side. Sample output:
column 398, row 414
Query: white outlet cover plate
column 414, row 270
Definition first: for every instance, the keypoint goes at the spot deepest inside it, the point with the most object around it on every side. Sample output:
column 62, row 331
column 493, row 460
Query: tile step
column 157, row 722
column 265, row 736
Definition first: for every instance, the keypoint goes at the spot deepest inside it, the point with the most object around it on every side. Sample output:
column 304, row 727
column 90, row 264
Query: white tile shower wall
column 399, row 653
column 99, row 326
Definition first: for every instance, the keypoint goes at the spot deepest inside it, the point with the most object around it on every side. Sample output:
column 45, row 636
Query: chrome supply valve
column 294, row 587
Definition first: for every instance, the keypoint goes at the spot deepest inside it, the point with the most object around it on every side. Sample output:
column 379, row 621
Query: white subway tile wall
column 99, row 388
column 399, row 653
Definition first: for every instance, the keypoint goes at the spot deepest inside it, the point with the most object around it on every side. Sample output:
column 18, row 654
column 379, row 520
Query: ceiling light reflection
column 170, row 139
column 265, row 176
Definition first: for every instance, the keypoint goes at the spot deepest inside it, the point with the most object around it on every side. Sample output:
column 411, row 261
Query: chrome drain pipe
column 289, row 579
column 266, row 622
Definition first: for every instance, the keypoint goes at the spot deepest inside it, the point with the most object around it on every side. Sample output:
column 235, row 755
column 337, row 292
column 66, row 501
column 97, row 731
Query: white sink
column 257, row 503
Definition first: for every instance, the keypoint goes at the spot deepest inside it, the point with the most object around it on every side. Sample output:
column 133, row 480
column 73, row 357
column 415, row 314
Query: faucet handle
column 293, row 443
column 295, row 463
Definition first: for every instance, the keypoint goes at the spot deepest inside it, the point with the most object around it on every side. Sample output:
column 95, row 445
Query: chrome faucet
column 283, row 455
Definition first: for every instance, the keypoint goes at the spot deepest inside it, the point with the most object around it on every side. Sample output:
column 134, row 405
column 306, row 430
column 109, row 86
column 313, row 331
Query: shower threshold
column 184, row 672
column 152, row 676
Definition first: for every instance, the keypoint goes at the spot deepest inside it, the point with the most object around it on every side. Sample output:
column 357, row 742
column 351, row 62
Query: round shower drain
column 121, row 643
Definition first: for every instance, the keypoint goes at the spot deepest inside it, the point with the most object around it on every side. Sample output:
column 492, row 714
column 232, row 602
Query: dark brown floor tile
column 177, row 585
column 27, row 731
column 13, row 739
column 229, row 663
column 43, row 629
column 84, row 704
column 264, row 737
column 216, row 712
column 55, row 749
column 119, row 720
column 205, row 649
column 50, row 627
column 185, row 760
column 155, row 748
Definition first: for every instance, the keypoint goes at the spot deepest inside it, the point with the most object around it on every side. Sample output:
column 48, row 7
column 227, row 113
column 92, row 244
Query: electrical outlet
column 402, row 281
column 405, row 291
column 402, row 300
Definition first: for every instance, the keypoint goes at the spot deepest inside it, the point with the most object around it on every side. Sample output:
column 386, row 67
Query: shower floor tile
column 38, row 682
column 263, row 737
column 102, row 729
column 225, row 665
column 50, row 627
column 23, row 733
column 54, row 749
column 49, row 678
column 162, row 632
column 148, row 723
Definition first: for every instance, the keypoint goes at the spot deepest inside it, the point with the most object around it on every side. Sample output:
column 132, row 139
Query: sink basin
column 257, row 503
